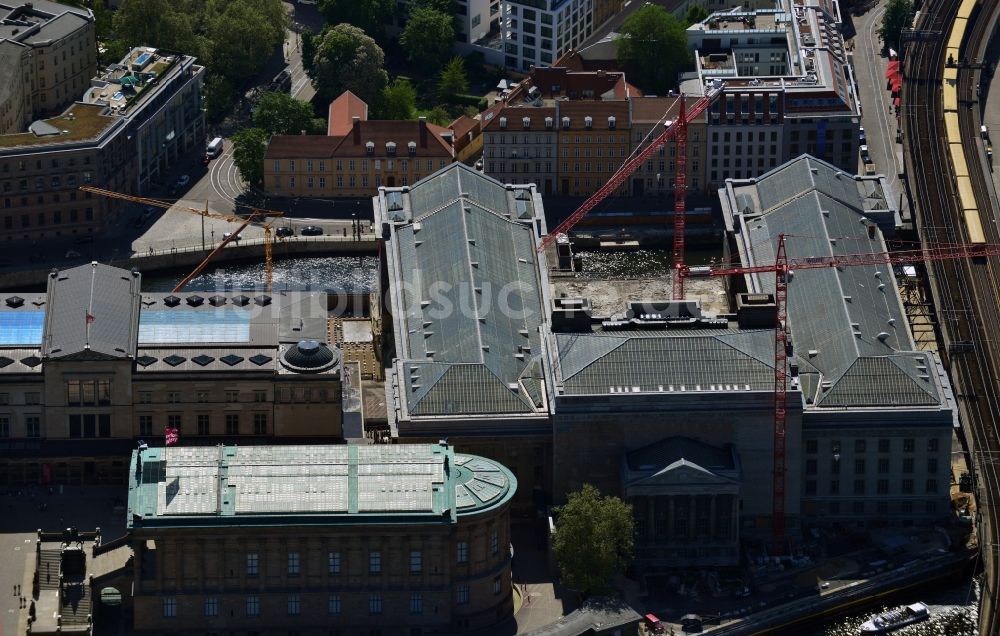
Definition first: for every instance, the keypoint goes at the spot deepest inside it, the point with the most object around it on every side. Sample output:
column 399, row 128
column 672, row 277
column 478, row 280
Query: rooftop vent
column 310, row 356
column 14, row 302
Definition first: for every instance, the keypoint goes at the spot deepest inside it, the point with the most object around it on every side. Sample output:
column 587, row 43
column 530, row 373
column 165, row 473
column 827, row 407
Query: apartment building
column 655, row 177
column 535, row 33
column 93, row 365
column 593, row 144
column 348, row 539
column 786, row 85
column 357, row 156
column 522, row 145
column 48, row 53
column 122, row 133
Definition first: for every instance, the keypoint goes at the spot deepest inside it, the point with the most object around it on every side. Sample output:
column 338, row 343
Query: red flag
column 90, row 318
column 171, row 435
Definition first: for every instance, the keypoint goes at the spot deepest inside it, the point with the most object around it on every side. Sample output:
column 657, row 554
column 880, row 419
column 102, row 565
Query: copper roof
column 342, row 111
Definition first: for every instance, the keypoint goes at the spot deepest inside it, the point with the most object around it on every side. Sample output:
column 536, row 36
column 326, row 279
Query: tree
column 399, row 100
column 347, row 59
column 444, row 6
column 652, row 48
column 308, row 49
column 453, row 80
column 155, row 23
column 243, row 36
column 368, row 15
column 898, row 16
column 439, row 115
column 593, row 539
column 249, row 145
column 695, row 14
column 428, row 37
column 281, row 114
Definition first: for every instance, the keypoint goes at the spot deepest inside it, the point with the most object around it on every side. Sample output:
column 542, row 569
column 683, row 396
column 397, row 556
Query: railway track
column 966, row 293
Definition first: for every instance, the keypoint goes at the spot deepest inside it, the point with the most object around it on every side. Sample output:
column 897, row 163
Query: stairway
column 48, row 570
column 74, row 604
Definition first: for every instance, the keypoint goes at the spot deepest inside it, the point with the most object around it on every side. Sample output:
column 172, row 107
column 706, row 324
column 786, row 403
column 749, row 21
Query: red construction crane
column 782, row 268
column 631, row 165
column 680, row 202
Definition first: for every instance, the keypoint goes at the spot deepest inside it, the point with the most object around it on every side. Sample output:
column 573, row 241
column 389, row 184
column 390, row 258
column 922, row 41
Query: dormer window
column 370, row 147
column 565, row 123
column 390, row 148
column 526, row 122
column 588, row 122
column 411, row 148
column 548, row 123
column 503, row 122
column 612, row 122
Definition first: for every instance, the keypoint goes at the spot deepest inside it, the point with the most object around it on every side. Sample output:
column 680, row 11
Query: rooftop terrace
column 80, row 122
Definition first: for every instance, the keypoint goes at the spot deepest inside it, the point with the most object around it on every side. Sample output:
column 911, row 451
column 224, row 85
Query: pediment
column 681, row 473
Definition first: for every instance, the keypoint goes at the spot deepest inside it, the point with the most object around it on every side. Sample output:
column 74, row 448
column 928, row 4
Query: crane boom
column 626, row 170
column 783, row 269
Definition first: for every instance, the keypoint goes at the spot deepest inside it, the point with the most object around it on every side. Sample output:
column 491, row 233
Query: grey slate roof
column 109, row 294
column 466, row 293
column 847, row 324
column 624, row 362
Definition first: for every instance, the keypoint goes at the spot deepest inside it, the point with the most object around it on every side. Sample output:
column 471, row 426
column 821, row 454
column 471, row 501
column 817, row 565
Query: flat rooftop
column 309, row 485
column 80, row 122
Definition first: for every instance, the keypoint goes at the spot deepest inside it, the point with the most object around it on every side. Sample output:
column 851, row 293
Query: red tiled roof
column 342, row 111
column 554, row 82
column 515, row 115
column 464, row 125
column 300, row 146
column 600, row 111
column 651, row 109
column 379, row 132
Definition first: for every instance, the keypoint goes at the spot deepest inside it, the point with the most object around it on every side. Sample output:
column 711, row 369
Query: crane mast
column 680, row 203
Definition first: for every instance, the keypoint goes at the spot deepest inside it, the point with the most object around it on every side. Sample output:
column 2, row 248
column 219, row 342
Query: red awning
column 892, row 69
column 895, row 76
column 895, row 102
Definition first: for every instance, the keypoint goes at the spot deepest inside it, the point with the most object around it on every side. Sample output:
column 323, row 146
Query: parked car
column 236, row 239
column 312, row 230
column 861, row 135
column 864, row 151
column 285, row 231
column 181, row 182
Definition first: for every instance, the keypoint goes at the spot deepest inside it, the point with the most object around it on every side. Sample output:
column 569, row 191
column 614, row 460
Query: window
column 294, row 605
column 416, row 562
column 333, row 562
column 374, row 561
column 908, row 465
column 462, row 594
column 930, row 507
column 496, row 585
column 883, row 486
column 260, row 395
column 260, row 423
column 859, row 486
column 932, row 465
column 908, row 445
column 88, row 392
column 201, row 397
column 211, row 606
column 859, row 467
column 169, row 607
column 232, row 396
column 174, row 421
column 907, row 486
column 811, row 446
column 835, row 487
column 463, row 552
column 32, row 426
column 253, row 605
column 293, row 564
column 232, row 423
column 859, row 507
column 252, row 561
column 333, row 604
column 494, row 541
column 145, row 425
column 932, row 445
column 906, row 507
column 883, row 465
column 859, row 446
column 204, row 424
column 4, row 426
column 173, row 397
column 375, row 604
column 931, row 486
column 416, row 603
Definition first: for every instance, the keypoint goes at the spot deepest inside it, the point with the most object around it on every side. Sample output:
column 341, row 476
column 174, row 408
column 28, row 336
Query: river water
column 954, row 610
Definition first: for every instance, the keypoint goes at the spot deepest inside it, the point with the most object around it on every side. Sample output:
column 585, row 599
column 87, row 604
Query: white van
column 214, row 148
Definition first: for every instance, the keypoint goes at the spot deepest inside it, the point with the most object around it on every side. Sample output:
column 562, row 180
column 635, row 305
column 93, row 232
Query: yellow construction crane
column 256, row 214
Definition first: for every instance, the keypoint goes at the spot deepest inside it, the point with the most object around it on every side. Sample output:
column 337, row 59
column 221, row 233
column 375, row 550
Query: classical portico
column 685, row 495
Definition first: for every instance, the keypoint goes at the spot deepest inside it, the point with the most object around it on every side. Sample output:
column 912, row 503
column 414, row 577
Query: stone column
column 711, row 517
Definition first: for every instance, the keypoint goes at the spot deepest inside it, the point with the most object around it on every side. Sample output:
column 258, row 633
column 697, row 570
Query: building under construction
column 675, row 410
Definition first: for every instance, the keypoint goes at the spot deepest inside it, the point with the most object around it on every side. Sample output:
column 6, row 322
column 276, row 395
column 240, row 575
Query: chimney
column 423, row 132
column 356, row 125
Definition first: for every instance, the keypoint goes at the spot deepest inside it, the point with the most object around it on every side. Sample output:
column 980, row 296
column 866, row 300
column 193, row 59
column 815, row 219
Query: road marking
column 880, row 116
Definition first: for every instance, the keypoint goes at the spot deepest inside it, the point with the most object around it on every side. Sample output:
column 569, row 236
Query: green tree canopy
column 281, row 114
column 428, row 37
column 444, row 6
column 593, row 539
column 439, row 115
column 249, row 145
column 898, row 16
column 399, row 100
column 348, row 59
column 368, row 15
column 652, row 48
column 695, row 14
column 452, row 80
column 243, row 36
column 156, row 23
